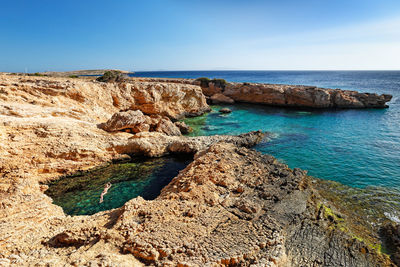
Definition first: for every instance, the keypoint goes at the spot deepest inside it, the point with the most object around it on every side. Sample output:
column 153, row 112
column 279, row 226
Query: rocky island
column 231, row 206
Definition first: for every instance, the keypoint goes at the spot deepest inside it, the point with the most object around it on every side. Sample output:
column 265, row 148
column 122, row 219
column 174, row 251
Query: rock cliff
column 295, row 96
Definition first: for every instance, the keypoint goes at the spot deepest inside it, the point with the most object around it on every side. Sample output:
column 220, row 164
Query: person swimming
column 106, row 187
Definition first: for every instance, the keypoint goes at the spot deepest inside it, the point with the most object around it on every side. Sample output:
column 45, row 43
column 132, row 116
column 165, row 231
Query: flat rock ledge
column 154, row 144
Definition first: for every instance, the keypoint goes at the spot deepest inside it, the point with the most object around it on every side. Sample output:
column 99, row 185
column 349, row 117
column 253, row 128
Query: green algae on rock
column 199, row 122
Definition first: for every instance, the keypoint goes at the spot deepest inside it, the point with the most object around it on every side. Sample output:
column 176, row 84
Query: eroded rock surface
column 134, row 121
column 230, row 207
column 157, row 145
column 48, row 128
column 221, row 99
column 297, row 96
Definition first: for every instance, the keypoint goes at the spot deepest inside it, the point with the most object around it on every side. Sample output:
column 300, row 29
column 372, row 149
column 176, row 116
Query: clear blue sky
column 199, row 34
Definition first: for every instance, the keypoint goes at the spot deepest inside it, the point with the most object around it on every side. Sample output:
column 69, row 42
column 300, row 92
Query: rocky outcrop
column 52, row 122
column 48, row 128
column 134, row 121
column 157, row 145
column 297, row 96
column 183, row 127
column 221, row 99
column 168, row 99
column 230, row 207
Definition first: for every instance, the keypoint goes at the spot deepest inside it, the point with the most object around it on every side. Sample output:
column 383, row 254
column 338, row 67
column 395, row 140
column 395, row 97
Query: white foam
column 392, row 217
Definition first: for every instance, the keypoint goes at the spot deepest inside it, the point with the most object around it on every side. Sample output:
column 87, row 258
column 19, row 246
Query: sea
column 356, row 148
column 353, row 154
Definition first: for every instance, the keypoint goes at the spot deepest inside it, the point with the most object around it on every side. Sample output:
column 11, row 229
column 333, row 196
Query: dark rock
column 112, row 76
column 225, row 110
column 183, row 127
column 391, row 234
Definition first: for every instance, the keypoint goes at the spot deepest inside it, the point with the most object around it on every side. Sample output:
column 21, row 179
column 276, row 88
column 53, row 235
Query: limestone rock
column 168, row 99
column 210, row 90
column 156, row 144
column 299, row 96
column 135, row 121
column 221, row 99
column 48, row 128
column 131, row 119
column 183, row 127
column 165, row 125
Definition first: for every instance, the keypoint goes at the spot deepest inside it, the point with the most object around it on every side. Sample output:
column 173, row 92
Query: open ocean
column 357, row 148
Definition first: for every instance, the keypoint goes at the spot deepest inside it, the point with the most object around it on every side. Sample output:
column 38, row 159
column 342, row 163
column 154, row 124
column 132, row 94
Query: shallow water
column 79, row 194
column 335, row 145
column 358, row 148
column 355, row 147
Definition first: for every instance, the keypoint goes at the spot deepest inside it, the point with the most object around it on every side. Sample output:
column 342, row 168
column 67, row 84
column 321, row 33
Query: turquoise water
column 335, row 145
column 358, row 148
column 79, row 194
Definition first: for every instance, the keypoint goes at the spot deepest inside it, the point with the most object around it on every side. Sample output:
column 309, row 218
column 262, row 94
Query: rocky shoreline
column 293, row 96
column 231, row 206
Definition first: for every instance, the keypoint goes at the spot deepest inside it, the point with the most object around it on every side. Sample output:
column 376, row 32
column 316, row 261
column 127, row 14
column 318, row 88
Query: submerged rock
column 225, row 110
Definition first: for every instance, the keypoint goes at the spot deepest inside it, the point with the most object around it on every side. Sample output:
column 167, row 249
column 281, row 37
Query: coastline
column 90, row 146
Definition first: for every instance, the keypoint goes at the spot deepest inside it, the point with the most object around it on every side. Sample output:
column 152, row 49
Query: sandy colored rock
column 131, row 119
column 221, row 99
column 183, row 127
column 230, row 206
column 299, row 96
column 156, row 144
column 48, row 128
column 134, row 121
column 209, row 90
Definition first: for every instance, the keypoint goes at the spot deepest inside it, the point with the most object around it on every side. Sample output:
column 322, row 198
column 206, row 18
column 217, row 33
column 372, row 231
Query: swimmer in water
column 106, row 187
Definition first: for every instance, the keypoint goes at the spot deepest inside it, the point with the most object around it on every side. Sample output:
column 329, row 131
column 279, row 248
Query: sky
column 48, row 35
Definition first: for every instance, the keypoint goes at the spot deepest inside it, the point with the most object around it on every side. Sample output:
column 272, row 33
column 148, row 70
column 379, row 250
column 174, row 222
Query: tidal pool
column 79, row 194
